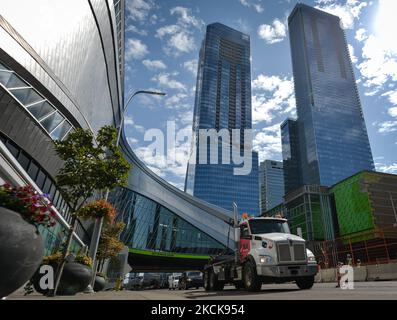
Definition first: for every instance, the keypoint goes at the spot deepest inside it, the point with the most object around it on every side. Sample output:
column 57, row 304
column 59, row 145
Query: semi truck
column 265, row 252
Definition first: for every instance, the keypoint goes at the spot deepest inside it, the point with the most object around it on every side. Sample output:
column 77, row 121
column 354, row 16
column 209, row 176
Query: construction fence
column 365, row 248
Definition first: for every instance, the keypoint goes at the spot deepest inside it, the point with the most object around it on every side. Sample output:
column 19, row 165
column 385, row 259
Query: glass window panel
column 5, row 77
column 11, row 80
column 12, row 148
column 47, row 185
column 55, row 198
column 61, row 130
column 26, row 96
column 52, row 191
column 39, row 110
column 23, row 160
column 33, row 169
column 40, row 179
column 52, row 121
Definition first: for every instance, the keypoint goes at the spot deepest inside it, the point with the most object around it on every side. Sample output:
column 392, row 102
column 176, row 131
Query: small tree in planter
column 88, row 167
column 22, row 210
column 109, row 243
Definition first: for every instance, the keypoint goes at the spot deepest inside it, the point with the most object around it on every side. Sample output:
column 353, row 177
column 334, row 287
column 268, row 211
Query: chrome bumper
column 287, row 271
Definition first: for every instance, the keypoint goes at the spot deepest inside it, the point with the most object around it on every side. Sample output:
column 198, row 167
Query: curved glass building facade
column 157, row 237
column 62, row 67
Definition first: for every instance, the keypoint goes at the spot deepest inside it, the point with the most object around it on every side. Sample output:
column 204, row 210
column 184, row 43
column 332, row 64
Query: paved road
column 327, row 291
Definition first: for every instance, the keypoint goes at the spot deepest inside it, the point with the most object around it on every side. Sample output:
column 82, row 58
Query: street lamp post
column 99, row 222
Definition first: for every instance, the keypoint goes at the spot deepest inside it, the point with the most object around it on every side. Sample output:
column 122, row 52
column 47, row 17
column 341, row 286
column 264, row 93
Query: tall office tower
column 291, row 156
column 271, row 180
column 223, row 101
column 333, row 137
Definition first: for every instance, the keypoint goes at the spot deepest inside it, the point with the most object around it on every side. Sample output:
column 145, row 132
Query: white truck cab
column 267, row 253
column 173, row 281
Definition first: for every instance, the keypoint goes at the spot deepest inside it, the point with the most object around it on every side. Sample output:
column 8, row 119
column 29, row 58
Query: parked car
column 191, row 279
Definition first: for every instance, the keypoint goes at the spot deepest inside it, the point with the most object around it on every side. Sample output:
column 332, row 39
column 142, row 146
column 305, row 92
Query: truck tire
column 250, row 278
column 305, row 283
column 214, row 284
column 206, row 280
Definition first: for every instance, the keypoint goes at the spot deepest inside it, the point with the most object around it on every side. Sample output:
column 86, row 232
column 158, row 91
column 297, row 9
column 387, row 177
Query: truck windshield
column 260, row 226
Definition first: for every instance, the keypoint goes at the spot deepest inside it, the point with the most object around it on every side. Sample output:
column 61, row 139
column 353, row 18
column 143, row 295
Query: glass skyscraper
column 291, row 155
column 223, row 101
column 271, row 179
column 333, row 138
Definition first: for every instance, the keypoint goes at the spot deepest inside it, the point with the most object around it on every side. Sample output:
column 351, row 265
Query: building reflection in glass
column 150, row 226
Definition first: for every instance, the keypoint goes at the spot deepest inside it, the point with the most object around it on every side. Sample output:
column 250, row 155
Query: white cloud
column 387, row 126
column 177, row 101
column 138, row 10
column 135, row 49
column 273, row 33
column 256, row 6
column 132, row 141
column 185, row 17
column 173, row 163
column 347, row 12
column 267, row 142
column 134, row 29
column 154, row 64
column 272, row 95
column 361, row 35
column 351, row 52
column 393, row 112
column 179, row 37
column 191, row 66
column 386, row 168
column 392, row 96
column 181, row 41
column 129, row 121
column 165, row 80
column 167, row 30
column 379, row 62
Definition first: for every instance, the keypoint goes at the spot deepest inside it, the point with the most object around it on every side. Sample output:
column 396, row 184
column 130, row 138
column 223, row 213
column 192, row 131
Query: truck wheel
column 251, row 280
column 305, row 283
column 215, row 285
column 206, row 279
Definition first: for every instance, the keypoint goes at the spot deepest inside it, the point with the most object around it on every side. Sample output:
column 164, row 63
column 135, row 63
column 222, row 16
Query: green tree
column 109, row 243
column 90, row 165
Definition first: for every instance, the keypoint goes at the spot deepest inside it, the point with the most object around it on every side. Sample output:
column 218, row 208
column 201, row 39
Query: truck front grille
column 291, row 252
column 299, row 252
column 284, row 253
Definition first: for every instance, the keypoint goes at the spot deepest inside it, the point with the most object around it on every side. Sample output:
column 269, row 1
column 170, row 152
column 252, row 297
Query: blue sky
column 162, row 44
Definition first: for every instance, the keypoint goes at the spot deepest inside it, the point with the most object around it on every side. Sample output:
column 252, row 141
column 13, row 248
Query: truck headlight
column 311, row 259
column 266, row 259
